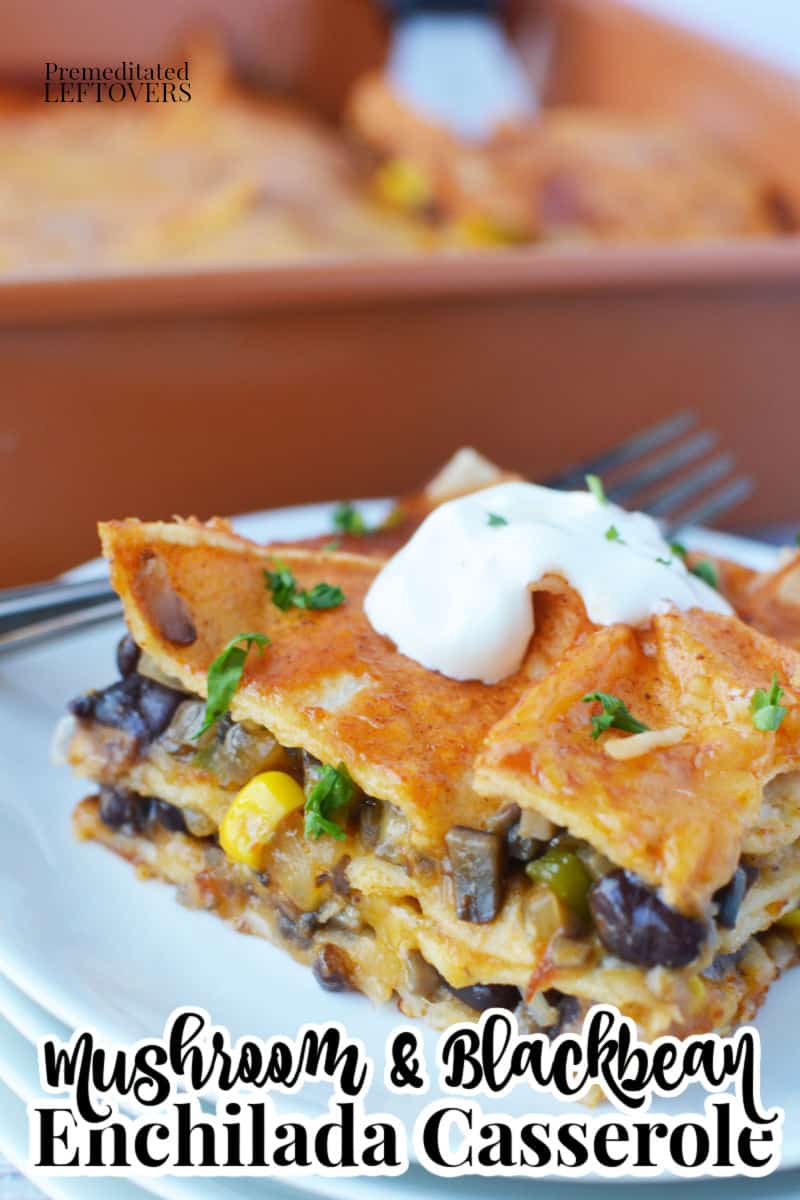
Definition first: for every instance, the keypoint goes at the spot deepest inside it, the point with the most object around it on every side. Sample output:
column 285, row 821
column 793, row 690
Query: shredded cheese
column 623, row 748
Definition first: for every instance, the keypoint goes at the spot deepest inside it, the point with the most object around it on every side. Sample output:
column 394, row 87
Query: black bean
column 137, row 705
column 638, row 927
column 128, row 654
column 157, row 705
column 82, row 706
column 117, row 706
column 481, row 996
column 123, row 811
column 476, row 858
column 729, row 898
column 169, row 816
column 333, row 969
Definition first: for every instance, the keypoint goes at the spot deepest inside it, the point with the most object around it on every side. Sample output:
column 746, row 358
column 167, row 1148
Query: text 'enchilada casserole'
column 615, row 819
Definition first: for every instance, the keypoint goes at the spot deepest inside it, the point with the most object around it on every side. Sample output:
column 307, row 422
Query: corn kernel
column 697, row 992
column 402, row 184
column 255, row 815
column 477, row 229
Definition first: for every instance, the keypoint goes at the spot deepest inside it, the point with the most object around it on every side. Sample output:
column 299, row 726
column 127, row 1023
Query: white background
column 768, row 28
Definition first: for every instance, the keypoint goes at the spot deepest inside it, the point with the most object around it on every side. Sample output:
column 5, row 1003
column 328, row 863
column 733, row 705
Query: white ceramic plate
column 18, row 1079
column 92, row 944
column 14, row 1147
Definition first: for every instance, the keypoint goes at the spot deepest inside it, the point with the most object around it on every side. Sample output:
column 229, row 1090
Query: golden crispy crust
column 451, row 753
column 676, row 816
column 328, row 682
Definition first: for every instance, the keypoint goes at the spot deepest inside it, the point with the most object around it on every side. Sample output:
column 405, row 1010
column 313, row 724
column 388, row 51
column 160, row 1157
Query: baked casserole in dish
column 233, row 176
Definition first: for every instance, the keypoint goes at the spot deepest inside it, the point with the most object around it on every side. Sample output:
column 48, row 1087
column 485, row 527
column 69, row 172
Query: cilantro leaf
column 612, row 535
column 332, row 546
column 281, row 583
column 322, row 595
column 678, row 549
column 332, row 791
column 286, row 594
column 595, row 485
column 665, row 562
column 347, row 519
column 706, row 571
column 615, row 715
column 496, row 519
column 797, row 539
column 224, row 675
column 766, row 707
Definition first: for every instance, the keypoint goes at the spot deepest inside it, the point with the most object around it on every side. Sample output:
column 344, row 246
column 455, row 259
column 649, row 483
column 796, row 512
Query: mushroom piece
column 476, row 858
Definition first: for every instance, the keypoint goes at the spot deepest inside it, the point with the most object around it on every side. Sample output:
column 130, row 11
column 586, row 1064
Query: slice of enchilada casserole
column 616, row 820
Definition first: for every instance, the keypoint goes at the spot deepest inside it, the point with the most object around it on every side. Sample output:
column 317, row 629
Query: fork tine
column 669, row 501
column 663, row 466
column 718, row 502
column 641, row 443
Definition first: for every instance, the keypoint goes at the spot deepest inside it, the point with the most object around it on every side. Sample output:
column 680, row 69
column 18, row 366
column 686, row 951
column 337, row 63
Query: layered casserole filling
column 616, row 821
column 512, row 911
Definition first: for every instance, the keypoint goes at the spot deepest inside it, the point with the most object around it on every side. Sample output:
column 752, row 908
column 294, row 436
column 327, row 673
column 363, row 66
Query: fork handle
column 43, row 599
column 49, row 627
column 400, row 9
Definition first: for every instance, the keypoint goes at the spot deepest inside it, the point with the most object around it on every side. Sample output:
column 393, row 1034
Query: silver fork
column 670, row 470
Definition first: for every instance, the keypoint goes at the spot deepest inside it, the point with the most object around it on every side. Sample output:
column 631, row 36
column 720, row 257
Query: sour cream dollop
column 457, row 597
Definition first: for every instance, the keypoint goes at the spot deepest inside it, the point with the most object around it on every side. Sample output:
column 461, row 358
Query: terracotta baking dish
column 221, row 391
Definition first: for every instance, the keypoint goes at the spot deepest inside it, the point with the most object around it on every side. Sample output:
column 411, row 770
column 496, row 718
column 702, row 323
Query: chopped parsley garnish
column 678, row 549
column 224, row 675
column 321, row 595
column 665, row 562
column 706, row 571
column 286, row 594
column 332, row 546
column 332, row 791
column 766, row 707
column 615, row 715
column 797, row 539
column 496, row 519
column 612, row 535
column 347, row 519
column 595, row 485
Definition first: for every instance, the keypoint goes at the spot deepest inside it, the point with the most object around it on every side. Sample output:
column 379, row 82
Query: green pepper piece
column 563, row 872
